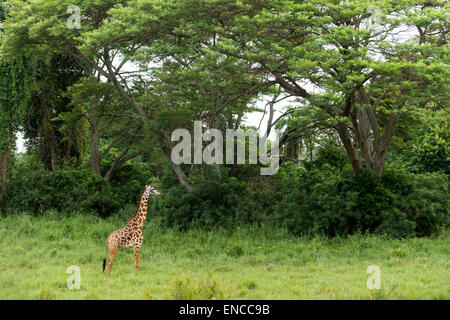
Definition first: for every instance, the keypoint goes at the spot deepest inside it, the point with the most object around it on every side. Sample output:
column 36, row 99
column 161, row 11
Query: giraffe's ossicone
column 131, row 235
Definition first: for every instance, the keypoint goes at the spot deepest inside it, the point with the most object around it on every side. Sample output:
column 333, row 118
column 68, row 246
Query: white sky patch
column 20, row 143
column 254, row 118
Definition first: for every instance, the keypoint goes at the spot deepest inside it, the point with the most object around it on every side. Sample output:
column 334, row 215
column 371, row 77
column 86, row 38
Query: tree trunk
column 49, row 132
column 365, row 125
column 205, row 171
column 166, row 149
column 95, row 138
column 95, row 154
column 120, row 161
column 349, row 148
column 52, row 146
column 382, row 149
column 361, row 128
column 180, row 175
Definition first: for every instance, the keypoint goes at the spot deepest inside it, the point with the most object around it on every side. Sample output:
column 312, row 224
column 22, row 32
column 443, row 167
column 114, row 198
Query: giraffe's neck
column 141, row 214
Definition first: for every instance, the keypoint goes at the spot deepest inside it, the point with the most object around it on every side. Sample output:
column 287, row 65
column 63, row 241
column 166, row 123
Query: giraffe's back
column 123, row 238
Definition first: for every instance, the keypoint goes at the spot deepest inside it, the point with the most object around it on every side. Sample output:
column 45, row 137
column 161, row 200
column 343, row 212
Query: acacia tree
column 194, row 80
column 199, row 83
column 361, row 76
column 179, row 79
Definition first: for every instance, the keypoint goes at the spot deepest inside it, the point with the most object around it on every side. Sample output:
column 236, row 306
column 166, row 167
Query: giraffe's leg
column 137, row 249
column 137, row 242
column 112, row 255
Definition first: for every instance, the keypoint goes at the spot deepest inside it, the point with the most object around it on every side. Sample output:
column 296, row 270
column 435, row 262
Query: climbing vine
column 15, row 86
column 16, row 79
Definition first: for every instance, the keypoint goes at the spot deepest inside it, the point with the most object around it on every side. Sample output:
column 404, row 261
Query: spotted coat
column 131, row 235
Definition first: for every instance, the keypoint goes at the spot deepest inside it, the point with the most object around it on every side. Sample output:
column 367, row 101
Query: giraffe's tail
column 104, row 259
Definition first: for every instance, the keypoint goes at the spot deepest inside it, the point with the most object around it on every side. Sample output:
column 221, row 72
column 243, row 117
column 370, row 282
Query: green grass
column 246, row 263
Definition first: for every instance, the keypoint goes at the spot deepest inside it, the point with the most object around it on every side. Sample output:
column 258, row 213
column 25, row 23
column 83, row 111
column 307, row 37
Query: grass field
column 247, row 263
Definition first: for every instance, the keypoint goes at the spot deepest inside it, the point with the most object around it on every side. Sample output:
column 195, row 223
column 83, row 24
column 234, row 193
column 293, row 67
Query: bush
column 429, row 151
column 209, row 204
column 396, row 203
column 315, row 200
column 32, row 188
column 427, row 203
column 323, row 197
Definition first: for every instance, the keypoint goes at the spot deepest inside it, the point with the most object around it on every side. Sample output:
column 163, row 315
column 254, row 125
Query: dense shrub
column 322, row 197
column 395, row 203
column 330, row 156
column 211, row 203
column 127, row 184
column 427, row 203
column 316, row 199
column 34, row 189
column 429, row 151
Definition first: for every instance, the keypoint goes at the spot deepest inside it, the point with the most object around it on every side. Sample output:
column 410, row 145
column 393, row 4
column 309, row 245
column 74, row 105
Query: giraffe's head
column 149, row 190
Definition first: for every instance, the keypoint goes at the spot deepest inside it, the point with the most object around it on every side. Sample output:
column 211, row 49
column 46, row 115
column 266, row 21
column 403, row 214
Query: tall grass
column 244, row 263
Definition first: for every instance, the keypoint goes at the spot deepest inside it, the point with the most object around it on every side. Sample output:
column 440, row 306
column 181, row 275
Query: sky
column 20, row 147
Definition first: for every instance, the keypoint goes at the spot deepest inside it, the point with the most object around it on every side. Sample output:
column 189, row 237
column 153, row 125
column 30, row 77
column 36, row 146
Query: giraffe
column 131, row 235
